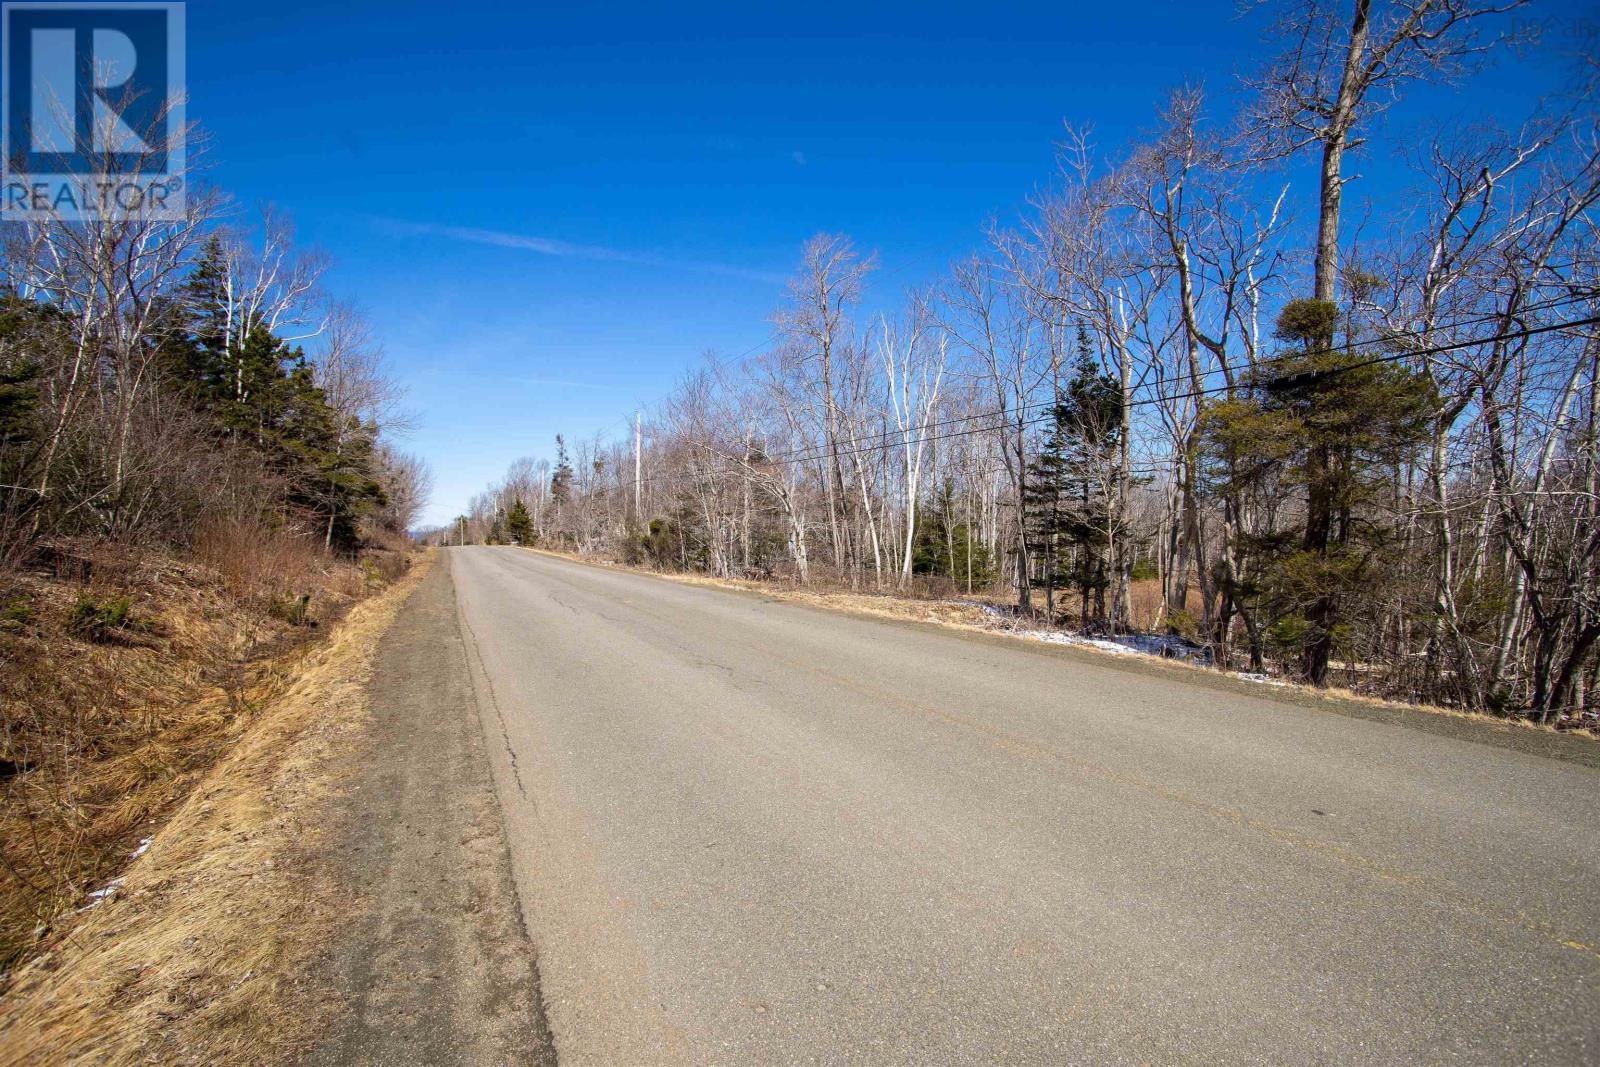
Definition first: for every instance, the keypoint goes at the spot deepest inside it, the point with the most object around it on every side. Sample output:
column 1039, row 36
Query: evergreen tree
column 561, row 480
column 262, row 392
column 1332, row 427
column 945, row 545
column 1070, row 482
column 199, row 359
column 519, row 524
column 21, row 374
column 19, row 396
column 20, row 380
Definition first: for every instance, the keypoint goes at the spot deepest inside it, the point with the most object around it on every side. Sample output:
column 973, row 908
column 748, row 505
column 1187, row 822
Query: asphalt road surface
column 748, row 832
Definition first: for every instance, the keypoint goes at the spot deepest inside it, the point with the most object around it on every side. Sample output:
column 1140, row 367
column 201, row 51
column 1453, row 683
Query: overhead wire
column 814, row 453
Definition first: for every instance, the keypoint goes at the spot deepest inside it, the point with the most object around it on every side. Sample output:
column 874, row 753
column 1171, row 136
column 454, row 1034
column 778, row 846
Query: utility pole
column 638, row 476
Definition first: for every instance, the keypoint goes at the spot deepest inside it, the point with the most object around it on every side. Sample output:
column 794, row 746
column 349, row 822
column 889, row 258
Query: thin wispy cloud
column 564, row 383
column 546, row 246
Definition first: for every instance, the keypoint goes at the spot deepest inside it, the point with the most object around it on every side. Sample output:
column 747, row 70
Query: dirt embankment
column 191, row 953
column 124, row 674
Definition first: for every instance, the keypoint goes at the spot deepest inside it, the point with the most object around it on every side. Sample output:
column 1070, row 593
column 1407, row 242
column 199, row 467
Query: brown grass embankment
column 194, row 957
column 124, row 675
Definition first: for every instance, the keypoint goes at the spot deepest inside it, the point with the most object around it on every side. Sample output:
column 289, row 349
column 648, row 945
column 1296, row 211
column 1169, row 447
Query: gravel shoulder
column 434, row 966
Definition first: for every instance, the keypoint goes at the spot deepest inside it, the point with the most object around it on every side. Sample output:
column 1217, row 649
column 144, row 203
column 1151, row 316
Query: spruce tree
column 561, row 480
column 1330, row 426
column 519, row 524
column 946, row 545
column 1070, row 485
column 261, row 392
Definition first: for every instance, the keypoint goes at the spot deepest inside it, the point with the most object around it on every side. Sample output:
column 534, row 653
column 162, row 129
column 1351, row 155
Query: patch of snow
column 1161, row 645
column 1166, row 646
column 98, row 897
column 144, row 846
column 1263, row 679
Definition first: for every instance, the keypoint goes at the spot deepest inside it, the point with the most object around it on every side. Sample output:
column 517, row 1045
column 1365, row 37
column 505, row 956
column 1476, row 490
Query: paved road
column 746, row 832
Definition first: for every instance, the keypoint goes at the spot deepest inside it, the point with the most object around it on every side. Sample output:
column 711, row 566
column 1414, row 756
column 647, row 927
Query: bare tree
column 913, row 367
column 1342, row 66
column 987, row 323
column 816, row 325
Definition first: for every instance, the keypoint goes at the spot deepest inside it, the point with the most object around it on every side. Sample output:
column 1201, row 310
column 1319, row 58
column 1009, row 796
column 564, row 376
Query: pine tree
column 262, row 392
column 519, row 524
column 945, row 545
column 194, row 348
column 21, row 382
column 561, row 480
column 1331, row 426
column 21, row 374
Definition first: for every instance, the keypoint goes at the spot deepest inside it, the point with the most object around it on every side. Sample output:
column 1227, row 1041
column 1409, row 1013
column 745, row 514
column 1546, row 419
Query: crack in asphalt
column 471, row 643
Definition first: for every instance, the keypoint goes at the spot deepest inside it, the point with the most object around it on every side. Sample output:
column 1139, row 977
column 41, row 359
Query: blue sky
column 550, row 212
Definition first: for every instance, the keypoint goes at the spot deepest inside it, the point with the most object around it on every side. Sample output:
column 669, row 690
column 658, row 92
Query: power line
column 888, row 436
column 817, row 452
column 798, row 456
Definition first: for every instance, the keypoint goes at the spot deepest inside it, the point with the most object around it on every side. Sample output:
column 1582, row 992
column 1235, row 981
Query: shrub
column 294, row 610
column 1182, row 623
column 96, row 619
column 382, row 567
column 253, row 558
column 18, row 614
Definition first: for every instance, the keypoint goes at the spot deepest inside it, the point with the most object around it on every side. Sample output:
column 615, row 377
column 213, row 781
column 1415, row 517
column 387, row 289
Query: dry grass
column 102, row 731
column 192, row 959
column 255, row 562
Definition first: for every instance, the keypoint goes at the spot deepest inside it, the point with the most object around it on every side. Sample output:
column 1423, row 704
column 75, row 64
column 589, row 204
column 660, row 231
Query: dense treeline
column 1180, row 380
column 158, row 379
